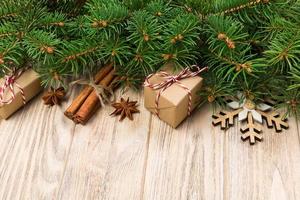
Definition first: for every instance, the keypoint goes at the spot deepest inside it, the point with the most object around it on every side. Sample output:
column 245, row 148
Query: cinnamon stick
column 92, row 103
column 79, row 100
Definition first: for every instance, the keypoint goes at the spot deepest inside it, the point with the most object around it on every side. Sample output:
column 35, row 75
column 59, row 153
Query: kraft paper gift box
column 31, row 84
column 173, row 102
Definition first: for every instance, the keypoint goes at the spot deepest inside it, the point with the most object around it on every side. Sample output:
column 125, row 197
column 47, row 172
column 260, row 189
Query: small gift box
column 17, row 89
column 172, row 97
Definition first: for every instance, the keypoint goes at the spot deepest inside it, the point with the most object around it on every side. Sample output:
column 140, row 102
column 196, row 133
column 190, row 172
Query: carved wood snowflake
column 251, row 131
column 252, row 115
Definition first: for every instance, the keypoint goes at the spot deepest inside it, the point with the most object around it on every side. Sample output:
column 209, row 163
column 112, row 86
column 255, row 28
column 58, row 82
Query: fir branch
column 277, row 25
column 80, row 27
column 217, row 90
column 183, row 30
column 78, row 54
column 287, row 99
column 109, row 17
column 9, row 9
column 229, row 9
column 134, row 4
column 8, row 29
column 226, row 36
column 284, row 50
column 144, row 30
column 231, row 69
column 8, row 15
column 116, row 51
column 53, row 20
column 10, row 53
column 160, row 9
column 52, row 76
column 145, row 61
column 40, row 44
column 295, row 73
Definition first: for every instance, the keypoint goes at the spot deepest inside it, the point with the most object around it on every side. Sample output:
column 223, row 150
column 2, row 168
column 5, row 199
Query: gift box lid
column 30, row 82
column 24, row 80
column 172, row 96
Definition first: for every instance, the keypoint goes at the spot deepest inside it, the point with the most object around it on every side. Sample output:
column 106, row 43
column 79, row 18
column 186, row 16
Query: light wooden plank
column 185, row 163
column 34, row 148
column 198, row 161
column 107, row 157
column 267, row 170
column 42, row 156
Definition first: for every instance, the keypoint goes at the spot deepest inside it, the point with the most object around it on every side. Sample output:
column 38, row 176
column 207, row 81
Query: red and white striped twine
column 10, row 81
column 170, row 80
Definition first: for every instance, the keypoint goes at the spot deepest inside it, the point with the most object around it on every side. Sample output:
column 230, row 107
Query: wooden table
column 43, row 155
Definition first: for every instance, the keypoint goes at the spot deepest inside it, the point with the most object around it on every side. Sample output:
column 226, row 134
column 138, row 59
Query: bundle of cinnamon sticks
column 88, row 102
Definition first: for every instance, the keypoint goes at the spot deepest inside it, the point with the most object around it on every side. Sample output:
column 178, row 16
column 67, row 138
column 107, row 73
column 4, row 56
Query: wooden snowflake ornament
column 225, row 118
column 274, row 119
column 251, row 131
column 252, row 116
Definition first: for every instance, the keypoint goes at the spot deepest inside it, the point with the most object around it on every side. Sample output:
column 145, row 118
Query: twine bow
column 170, row 80
column 105, row 94
column 9, row 82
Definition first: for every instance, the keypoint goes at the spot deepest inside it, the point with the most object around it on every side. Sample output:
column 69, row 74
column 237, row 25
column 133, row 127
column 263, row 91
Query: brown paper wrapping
column 173, row 102
column 31, row 84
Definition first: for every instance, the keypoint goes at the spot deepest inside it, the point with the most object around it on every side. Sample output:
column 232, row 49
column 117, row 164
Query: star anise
column 125, row 109
column 54, row 96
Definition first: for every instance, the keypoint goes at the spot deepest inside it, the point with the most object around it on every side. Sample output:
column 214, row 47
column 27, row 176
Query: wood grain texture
column 112, row 156
column 34, row 149
column 269, row 170
column 187, row 160
column 43, row 155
